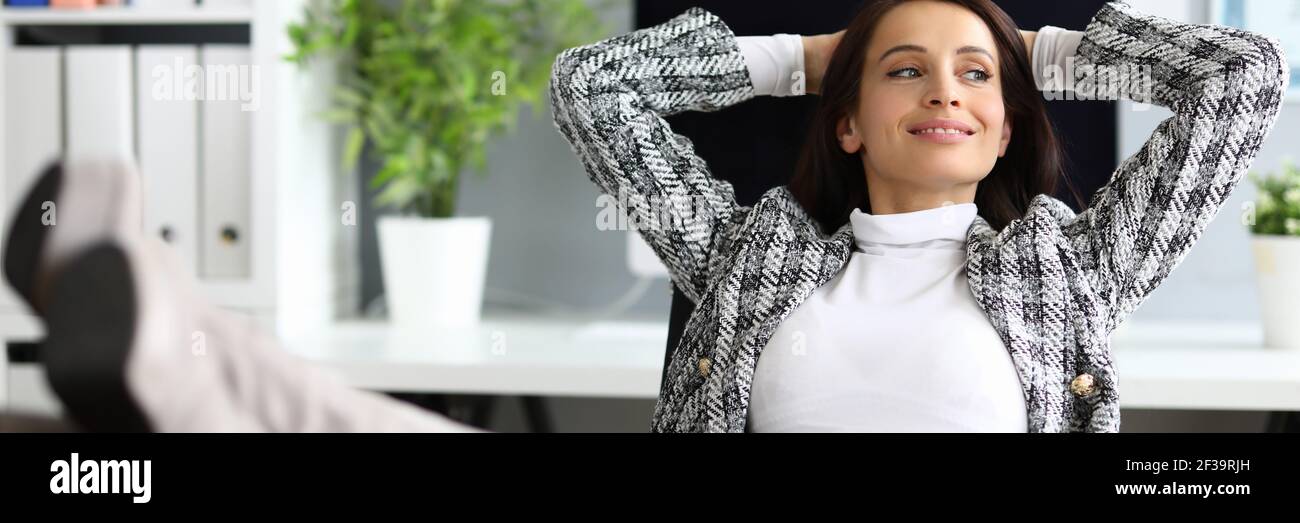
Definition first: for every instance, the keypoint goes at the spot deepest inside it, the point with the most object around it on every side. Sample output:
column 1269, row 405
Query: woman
column 915, row 275
column 905, row 280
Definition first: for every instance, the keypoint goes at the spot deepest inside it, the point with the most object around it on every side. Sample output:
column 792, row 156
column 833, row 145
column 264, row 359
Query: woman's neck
column 893, row 197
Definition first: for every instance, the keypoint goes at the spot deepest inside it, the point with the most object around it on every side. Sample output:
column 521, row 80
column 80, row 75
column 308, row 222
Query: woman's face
column 929, row 65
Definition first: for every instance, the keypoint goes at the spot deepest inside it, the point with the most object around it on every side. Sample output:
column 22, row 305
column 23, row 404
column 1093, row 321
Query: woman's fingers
column 817, row 54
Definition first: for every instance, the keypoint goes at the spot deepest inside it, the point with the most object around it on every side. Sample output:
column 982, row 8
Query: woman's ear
column 1006, row 138
column 847, row 131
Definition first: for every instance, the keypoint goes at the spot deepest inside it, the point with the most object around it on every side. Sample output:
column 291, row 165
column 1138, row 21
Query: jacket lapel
column 776, row 269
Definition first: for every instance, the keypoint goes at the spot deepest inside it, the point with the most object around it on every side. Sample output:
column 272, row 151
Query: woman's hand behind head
column 817, row 51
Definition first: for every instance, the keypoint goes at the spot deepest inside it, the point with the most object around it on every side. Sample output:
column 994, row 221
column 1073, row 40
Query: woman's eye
column 911, row 72
column 898, row 73
column 982, row 76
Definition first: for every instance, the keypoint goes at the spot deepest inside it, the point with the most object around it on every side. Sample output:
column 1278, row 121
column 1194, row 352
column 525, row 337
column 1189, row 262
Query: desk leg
column 481, row 411
column 535, row 412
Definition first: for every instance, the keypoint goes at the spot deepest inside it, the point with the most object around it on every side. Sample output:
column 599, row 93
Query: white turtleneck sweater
column 895, row 342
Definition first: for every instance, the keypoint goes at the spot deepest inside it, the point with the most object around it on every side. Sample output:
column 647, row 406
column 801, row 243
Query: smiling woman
column 893, row 82
column 916, row 275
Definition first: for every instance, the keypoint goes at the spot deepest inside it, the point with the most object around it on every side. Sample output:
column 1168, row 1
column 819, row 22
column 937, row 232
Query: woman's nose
column 945, row 99
column 943, row 93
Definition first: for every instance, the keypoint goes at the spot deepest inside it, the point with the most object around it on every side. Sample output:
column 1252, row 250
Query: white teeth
column 940, row 131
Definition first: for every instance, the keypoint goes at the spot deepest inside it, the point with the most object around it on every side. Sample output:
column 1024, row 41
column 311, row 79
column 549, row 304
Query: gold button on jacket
column 1083, row 385
column 705, row 366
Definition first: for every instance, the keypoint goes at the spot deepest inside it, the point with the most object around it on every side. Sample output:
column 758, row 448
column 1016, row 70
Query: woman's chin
column 943, row 171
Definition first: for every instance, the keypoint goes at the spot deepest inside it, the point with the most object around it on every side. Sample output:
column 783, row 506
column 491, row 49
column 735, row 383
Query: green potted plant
column 1275, row 241
column 424, row 84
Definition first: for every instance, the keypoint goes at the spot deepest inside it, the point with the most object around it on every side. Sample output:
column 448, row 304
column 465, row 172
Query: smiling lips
column 941, row 130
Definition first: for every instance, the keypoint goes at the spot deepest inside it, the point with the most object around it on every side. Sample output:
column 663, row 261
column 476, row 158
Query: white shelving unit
column 295, row 208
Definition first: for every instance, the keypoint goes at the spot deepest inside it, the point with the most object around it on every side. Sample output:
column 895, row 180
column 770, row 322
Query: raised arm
column 1225, row 87
column 609, row 101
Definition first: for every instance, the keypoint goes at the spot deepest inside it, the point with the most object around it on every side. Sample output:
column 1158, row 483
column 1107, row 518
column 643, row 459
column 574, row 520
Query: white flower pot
column 434, row 269
column 1277, row 274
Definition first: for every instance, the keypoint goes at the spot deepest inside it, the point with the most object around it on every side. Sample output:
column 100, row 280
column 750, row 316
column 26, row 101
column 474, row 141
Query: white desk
column 1160, row 366
column 506, row 355
column 1208, row 365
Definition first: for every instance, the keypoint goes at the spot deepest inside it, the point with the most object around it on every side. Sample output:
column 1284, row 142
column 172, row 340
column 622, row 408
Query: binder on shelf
column 33, row 117
column 226, row 165
column 168, row 134
column 33, row 124
column 100, row 101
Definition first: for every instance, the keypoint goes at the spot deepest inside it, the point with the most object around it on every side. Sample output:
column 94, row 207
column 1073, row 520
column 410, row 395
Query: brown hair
column 830, row 183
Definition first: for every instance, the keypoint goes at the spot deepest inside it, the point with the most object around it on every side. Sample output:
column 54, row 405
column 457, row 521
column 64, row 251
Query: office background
column 548, row 255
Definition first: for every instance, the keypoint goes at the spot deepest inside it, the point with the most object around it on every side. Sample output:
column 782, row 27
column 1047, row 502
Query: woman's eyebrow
column 917, row 48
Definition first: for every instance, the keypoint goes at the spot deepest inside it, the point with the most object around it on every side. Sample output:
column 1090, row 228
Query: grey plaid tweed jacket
column 1054, row 284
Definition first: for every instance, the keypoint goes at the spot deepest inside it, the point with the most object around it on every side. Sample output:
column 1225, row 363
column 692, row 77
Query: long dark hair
column 830, row 183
